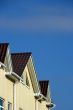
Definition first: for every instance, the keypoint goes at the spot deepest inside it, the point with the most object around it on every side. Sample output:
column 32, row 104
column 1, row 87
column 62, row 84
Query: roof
column 44, row 87
column 3, row 49
column 19, row 61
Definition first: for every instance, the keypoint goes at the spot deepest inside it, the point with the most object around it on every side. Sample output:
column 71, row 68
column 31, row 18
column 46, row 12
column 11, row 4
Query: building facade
column 19, row 86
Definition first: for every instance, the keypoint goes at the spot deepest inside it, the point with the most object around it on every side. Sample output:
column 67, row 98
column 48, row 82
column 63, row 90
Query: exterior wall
column 6, row 89
column 25, row 95
column 41, row 105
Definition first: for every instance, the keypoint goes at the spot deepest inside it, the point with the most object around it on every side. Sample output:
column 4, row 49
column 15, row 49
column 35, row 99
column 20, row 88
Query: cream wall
column 41, row 105
column 6, row 89
column 25, row 95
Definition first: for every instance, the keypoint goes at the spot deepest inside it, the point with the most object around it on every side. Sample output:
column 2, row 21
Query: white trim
column 15, row 96
column 33, row 76
column 24, row 84
column 1, row 64
column 40, row 96
column 9, row 106
column 48, row 103
column 13, row 73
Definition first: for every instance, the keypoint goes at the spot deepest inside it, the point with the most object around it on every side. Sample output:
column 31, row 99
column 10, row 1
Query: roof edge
column 15, row 53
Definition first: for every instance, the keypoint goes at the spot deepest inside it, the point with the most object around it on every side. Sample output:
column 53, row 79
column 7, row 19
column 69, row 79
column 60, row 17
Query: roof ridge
column 17, row 53
column 3, row 43
column 43, row 80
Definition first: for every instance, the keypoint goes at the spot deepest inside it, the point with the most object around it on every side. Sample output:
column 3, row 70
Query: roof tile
column 44, row 87
column 3, row 49
column 19, row 61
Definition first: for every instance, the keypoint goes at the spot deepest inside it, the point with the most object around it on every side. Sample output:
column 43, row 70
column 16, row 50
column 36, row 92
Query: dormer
column 20, row 61
column 45, row 91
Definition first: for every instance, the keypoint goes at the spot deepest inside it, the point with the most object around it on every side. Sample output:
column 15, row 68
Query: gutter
column 13, row 75
column 50, row 105
column 39, row 96
column 1, row 64
column 18, row 77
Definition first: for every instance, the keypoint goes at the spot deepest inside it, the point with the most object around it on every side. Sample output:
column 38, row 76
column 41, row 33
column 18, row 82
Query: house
column 19, row 86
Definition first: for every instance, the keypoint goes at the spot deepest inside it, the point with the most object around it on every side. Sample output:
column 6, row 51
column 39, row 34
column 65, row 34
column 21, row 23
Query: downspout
column 14, row 88
column 14, row 96
column 36, row 104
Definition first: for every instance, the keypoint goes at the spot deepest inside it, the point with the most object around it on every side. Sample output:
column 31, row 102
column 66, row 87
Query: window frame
column 2, row 106
column 27, row 81
column 9, row 103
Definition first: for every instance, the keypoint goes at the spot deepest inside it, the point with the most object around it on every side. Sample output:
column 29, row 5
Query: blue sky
column 44, row 27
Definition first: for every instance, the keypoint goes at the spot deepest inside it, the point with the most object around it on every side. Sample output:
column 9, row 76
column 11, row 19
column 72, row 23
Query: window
column 1, row 104
column 22, row 76
column 9, row 106
column 27, row 81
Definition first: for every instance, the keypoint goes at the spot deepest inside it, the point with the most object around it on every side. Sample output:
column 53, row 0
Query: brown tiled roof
column 19, row 61
column 44, row 87
column 3, row 49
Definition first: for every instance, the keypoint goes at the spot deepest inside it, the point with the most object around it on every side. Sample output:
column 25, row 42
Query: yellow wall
column 41, row 105
column 6, row 89
column 24, row 95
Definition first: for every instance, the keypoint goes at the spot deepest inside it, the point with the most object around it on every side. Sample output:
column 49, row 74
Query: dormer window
column 25, row 79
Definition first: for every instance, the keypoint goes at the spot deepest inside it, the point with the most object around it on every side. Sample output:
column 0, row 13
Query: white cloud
column 39, row 23
column 42, row 18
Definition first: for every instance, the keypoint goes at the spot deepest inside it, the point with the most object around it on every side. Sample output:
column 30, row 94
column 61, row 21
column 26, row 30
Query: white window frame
column 2, row 104
column 9, row 104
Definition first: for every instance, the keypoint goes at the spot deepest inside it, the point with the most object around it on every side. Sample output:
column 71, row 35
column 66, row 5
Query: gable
column 20, row 61
column 48, row 95
column 33, row 75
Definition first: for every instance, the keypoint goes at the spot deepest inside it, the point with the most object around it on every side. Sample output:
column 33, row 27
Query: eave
column 2, row 64
column 50, row 105
column 40, row 96
column 13, row 76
